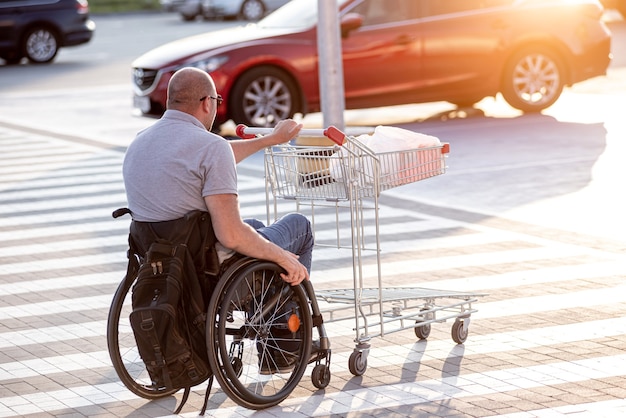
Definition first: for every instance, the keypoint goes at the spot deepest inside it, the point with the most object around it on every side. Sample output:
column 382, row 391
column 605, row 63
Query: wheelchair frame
column 247, row 322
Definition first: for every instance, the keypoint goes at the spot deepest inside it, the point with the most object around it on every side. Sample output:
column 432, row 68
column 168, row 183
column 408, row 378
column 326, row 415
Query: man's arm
column 235, row 234
column 285, row 131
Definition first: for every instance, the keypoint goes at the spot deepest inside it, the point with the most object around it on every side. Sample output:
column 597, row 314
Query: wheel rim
column 357, row 363
column 236, row 335
column 123, row 350
column 536, row 79
column 266, row 101
column 320, row 376
column 463, row 332
column 459, row 331
column 41, row 45
column 252, row 10
column 422, row 331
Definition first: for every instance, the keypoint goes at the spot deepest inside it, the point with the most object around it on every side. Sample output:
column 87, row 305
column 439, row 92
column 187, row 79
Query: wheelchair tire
column 259, row 334
column 123, row 349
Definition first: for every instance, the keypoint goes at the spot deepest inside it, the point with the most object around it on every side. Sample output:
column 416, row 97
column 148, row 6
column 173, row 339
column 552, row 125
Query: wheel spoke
column 536, row 79
column 253, row 372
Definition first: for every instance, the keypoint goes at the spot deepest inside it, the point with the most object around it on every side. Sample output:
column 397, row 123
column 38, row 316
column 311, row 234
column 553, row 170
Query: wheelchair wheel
column 123, row 348
column 259, row 334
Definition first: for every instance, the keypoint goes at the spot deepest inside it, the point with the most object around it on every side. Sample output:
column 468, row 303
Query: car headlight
column 209, row 64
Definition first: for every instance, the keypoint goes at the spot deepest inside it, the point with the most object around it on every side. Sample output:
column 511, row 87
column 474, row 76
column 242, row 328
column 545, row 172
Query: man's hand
column 285, row 131
column 295, row 271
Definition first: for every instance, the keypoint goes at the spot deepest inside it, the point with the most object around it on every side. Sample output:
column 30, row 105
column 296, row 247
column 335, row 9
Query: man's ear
column 206, row 104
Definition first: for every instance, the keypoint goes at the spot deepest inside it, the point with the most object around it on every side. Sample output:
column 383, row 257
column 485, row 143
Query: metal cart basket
column 348, row 177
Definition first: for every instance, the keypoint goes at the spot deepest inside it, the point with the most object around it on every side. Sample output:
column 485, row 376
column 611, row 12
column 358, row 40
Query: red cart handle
column 331, row 133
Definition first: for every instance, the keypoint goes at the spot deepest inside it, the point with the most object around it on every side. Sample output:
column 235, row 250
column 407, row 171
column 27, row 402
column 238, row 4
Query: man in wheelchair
column 178, row 165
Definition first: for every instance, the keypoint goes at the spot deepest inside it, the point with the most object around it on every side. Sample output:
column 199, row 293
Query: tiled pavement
column 549, row 339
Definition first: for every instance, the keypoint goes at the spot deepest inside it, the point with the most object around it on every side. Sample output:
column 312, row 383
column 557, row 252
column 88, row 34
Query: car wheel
column 187, row 17
column 533, row 79
column 40, row 45
column 621, row 8
column 263, row 96
column 252, row 10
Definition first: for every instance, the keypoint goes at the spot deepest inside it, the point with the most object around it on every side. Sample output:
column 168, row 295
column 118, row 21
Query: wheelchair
column 259, row 335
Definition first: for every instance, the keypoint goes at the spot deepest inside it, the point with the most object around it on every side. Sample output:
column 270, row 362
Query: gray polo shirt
column 172, row 165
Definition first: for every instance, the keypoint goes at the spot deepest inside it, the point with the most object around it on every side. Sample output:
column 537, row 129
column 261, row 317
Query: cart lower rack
column 347, row 178
column 402, row 308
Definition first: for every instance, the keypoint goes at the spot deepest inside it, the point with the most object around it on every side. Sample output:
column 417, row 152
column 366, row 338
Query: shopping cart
column 347, row 178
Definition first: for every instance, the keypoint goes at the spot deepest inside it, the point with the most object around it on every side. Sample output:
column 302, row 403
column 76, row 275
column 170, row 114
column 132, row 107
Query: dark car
column 394, row 52
column 251, row 10
column 36, row 29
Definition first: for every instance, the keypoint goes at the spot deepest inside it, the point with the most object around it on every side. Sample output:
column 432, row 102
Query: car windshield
column 295, row 14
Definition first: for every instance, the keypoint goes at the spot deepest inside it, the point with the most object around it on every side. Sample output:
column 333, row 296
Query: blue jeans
column 292, row 232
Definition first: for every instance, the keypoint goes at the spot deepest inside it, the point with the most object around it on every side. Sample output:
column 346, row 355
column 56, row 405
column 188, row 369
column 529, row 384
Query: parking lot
column 529, row 213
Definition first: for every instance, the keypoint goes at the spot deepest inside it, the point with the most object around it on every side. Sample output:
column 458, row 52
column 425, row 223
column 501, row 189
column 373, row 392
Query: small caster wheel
column 459, row 332
column 320, row 376
column 422, row 331
column 357, row 363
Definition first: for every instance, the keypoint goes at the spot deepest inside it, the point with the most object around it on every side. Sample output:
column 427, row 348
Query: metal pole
column 330, row 64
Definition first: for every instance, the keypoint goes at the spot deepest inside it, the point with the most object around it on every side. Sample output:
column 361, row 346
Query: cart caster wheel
column 422, row 331
column 320, row 376
column 459, row 332
column 357, row 363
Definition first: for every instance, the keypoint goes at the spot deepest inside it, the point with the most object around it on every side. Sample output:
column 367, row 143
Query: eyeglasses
column 218, row 99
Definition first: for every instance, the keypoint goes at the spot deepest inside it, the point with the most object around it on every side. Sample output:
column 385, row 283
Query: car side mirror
column 350, row 22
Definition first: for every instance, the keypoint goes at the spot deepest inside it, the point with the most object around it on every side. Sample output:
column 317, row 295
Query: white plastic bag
column 390, row 143
column 341, row 156
column 390, row 138
column 398, row 165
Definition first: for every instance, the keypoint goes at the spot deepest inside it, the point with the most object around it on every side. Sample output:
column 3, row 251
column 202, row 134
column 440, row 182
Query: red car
column 619, row 5
column 394, row 52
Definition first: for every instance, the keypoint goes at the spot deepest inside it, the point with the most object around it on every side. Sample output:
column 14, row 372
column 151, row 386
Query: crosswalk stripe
column 60, row 247
column 49, row 232
column 65, row 263
column 488, row 310
column 448, row 262
column 97, row 183
column 69, row 203
column 67, row 282
column 323, row 276
column 611, row 408
column 51, row 334
column 356, row 400
column 380, row 356
column 458, row 386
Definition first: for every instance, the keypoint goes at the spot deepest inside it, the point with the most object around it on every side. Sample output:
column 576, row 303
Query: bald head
column 186, row 87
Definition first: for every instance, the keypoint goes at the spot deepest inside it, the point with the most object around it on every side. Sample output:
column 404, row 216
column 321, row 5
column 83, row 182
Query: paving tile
column 547, row 340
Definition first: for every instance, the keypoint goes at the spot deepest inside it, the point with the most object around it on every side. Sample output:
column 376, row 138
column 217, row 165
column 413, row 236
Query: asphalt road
column 532, row 167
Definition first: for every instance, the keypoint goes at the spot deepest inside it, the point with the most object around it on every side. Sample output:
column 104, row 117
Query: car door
column 381, row 59
column 9, row 11
column 463, row 47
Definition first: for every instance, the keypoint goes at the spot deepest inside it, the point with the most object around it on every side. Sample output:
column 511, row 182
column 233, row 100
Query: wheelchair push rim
column 123, row 350
column 257, row 327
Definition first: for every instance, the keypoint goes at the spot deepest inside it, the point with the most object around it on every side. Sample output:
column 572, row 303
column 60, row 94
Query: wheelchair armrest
column 121, row 212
